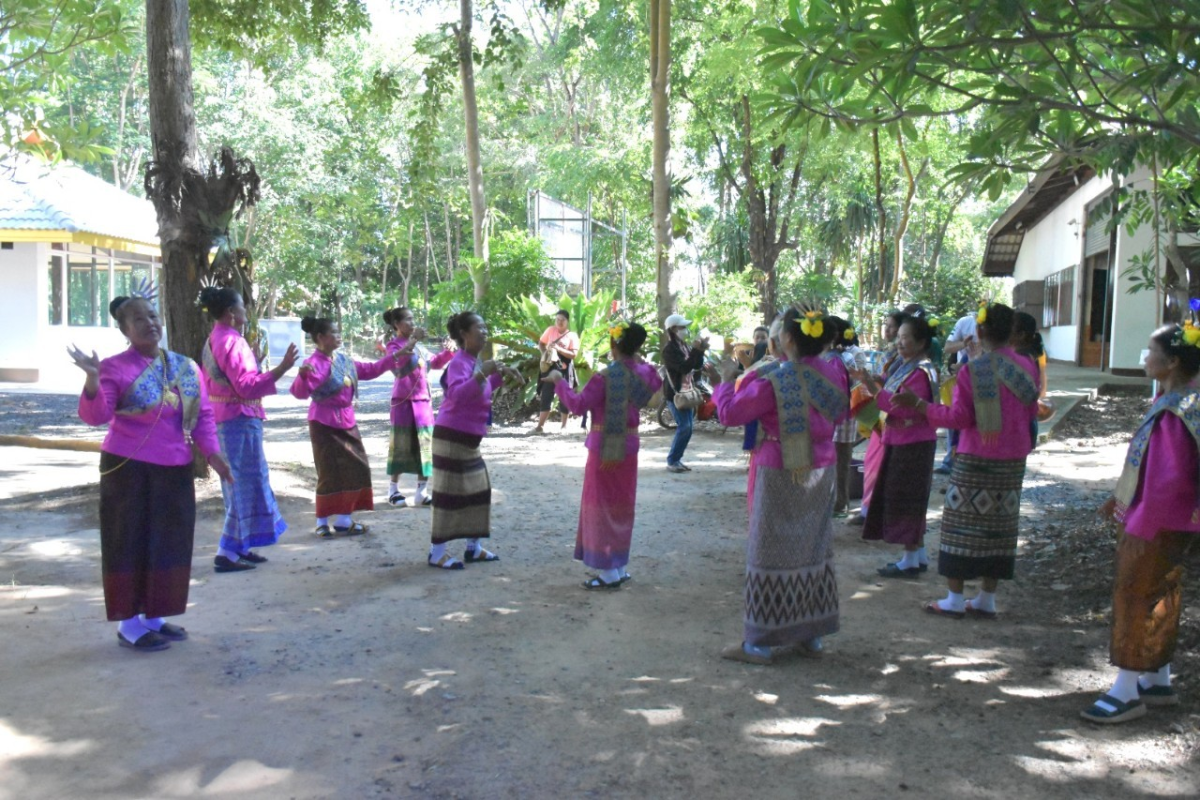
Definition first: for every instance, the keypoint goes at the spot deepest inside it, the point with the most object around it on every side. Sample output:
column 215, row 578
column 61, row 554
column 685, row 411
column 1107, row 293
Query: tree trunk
column 660, row 78
column 466, row 69
column 881, row 213
column 173, row 139
column 902, row 220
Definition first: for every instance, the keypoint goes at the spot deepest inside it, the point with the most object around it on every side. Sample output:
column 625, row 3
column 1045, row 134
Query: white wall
column 19, row 275
column 1054, row 244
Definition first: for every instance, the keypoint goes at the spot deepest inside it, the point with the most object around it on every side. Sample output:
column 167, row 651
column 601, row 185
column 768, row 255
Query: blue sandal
column 1117, row 711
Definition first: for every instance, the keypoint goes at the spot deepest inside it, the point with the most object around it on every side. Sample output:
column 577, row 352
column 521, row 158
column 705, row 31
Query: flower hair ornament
column 146, row 290
column 617, row 331
column 981, row 315
column 849, row 333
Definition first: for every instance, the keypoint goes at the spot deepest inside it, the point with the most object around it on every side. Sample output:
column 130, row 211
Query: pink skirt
column 606, row 512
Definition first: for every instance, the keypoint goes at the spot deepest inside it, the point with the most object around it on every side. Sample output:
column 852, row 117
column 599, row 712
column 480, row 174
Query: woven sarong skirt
column 461, row 488
column 791, row 589
column 147, row 522
column 343, row 473
column 410, row 451
column 1148, row 599
column 980, row 518
column 606, row 510
column 252, row 517
column 900, row 501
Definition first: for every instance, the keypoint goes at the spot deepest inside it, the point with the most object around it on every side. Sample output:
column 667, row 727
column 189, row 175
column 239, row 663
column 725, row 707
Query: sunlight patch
column 1035, row 691
column 457, row 616
column 504, row 611
column 420, row 686
column 888, row 669
column 766, row 697
column 658, row 716
column 347, row 681
column 56, row 548
column 981, row 675
column 849, row 700
column 14, row 744
column 34, row 592
column 645, row 679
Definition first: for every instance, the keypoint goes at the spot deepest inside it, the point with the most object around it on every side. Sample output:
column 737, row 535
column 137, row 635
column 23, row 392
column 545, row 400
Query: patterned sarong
column 410, row 451
column 606, row 510
column 791, row 589
column 1148, row 599
column 147, row 521
column 900, row 501
column 343, row 473
column 979, row 522
column 461, row 488
column 252, row 517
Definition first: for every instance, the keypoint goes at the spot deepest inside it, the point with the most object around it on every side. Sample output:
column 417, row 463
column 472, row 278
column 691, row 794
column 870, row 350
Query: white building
column 69, row 242
column 1070, row 272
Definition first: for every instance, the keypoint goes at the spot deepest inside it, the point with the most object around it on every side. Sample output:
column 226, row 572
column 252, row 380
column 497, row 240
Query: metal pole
column 587, row 247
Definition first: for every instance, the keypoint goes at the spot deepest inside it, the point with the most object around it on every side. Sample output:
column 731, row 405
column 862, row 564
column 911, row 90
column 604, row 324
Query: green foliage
column 728, row 308
column 267, row 32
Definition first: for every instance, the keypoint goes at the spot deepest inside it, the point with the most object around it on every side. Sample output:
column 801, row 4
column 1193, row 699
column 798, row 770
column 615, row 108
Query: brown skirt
column 343, row 473
column 901, row 498
column 462, row 490
column 147, row 522
column 1147, row 599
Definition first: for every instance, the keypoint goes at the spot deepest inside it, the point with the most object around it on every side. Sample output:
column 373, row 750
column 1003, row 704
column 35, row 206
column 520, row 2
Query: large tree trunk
column 479, row 227
column 910, row 191
column 881, row 213
column 660, row 78
column 173, row 139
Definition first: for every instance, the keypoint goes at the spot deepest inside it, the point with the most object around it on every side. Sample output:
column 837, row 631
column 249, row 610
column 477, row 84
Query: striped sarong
column 606, row 511
column 980, row 518
column 252, row 517
column 461, row 488
column 147, row 522
column 791, row 589
column 410, row 451
column 343, row 473
column 901, row 498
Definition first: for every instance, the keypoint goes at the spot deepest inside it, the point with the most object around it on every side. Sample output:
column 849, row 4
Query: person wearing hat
column 680, row 360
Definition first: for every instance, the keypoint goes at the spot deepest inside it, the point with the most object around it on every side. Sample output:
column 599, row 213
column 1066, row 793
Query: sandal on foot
column 148, row 642
column 324, row 531
column 447, row 561
column 935, row 609
column 894, row 571
column 252, row 557
column 355, row 529
column 172, row 633
column 1157, row 695
column 480, row 555
column 626, row 578
column 597, row 583
column 1100, row 712
column 737, row 652
column 396, row 500
column 223, row 564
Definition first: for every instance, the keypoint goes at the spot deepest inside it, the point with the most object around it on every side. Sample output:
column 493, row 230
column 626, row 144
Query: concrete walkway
column 1069, row 384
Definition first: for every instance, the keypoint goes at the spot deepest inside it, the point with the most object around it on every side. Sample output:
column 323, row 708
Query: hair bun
column 116, row 304
column 308, row 324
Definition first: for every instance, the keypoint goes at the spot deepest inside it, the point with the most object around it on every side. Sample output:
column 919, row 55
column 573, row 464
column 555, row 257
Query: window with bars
column 1058, row 303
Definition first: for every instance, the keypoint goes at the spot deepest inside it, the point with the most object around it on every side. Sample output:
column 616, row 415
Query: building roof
column 63, row 203
column 1047, row 190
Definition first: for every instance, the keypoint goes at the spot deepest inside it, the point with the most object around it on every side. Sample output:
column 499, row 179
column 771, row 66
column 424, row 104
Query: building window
column 1058, row 303
column 82, row 280
column 87, row 288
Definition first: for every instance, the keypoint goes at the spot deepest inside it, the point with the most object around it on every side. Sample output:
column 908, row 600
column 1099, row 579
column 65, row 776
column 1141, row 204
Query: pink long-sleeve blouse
column 246, row 384
column 466, row 402
column 1170, row 464
column 336, row 411
column 410, row 392
column 907, row 425
column 156, row 435
column 755, row 400
column 1013, row 440
column 592, row 398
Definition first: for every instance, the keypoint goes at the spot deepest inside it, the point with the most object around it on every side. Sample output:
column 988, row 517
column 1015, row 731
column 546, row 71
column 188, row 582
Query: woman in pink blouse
column 897, row 515
column 995, row 399
column 153, row 402
column 236, row 386
column 462, row 490
column 411, row 447
column 614, row 398
column 1157, row 506
column 330, row 378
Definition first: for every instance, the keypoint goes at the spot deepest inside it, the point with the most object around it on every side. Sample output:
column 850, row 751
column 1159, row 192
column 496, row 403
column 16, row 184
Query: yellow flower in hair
column 812, row 314
column 849, row 334
column 981, row 317
column 616, row 332
column 934, row 322
column 812, row 328
column 1191, row 334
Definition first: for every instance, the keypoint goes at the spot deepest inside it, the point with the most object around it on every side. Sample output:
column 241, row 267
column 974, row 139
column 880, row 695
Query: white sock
column 342, row 521
column 322, row 521
column 152, row 623
column 922, row 556
column 908, row 561
column 1160, row 677
column 609, row 575
column 473, row 545
column 984, row 601
column 132, row 629
column 393, row 488
column 436, row 551
column 423, row 488
column 1125, row 687
column 953, row 601
column 624, row 572
column 232, row 555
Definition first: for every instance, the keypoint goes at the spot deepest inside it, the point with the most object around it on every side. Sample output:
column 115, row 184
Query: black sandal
column 597, row 583
column 355, row 529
